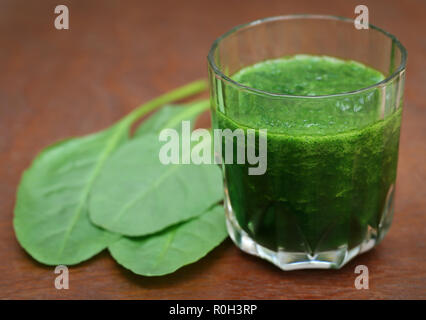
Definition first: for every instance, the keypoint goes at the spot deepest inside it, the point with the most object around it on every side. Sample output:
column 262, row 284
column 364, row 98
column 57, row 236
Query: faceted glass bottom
column 333, row 259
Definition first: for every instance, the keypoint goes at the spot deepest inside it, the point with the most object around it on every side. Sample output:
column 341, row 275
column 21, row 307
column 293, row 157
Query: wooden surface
column 55, row 84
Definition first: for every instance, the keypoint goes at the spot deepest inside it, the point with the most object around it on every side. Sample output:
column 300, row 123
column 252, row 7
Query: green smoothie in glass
column 330, row 97
column 329, row 167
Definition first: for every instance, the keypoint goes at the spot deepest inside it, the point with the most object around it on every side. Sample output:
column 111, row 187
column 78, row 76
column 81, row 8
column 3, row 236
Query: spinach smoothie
column 331, row 162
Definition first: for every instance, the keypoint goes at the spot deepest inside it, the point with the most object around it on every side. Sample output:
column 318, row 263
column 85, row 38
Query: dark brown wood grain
column 117, row 54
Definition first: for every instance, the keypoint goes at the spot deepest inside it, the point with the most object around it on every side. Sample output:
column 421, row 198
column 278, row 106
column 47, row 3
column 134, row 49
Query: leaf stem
column 177, row 94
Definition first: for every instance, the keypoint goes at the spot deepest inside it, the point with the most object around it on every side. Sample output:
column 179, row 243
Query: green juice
column 331, row 162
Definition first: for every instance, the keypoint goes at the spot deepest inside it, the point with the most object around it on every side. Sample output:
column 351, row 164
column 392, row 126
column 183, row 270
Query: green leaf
column 137, row 195
column 179, row 245
column 51, row 220
column 51, row 214
column 171, row 117
column 134, row 193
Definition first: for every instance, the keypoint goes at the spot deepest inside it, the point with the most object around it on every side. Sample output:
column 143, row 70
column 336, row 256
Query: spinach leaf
column 167, row 251
column 51, row 213
column 137, row 195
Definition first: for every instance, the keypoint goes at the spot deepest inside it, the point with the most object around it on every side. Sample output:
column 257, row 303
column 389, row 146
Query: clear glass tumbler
column 325, row 197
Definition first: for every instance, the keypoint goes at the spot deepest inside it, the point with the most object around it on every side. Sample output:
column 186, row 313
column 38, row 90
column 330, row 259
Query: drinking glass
column 326, row 196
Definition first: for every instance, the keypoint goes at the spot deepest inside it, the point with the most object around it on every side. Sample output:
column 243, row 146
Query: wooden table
column 55, row 84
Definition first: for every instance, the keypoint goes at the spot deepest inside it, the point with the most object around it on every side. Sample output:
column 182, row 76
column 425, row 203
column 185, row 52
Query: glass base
column 333, row 259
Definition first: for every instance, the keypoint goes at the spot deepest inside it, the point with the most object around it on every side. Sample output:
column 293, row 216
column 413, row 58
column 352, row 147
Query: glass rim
column 218, row 72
